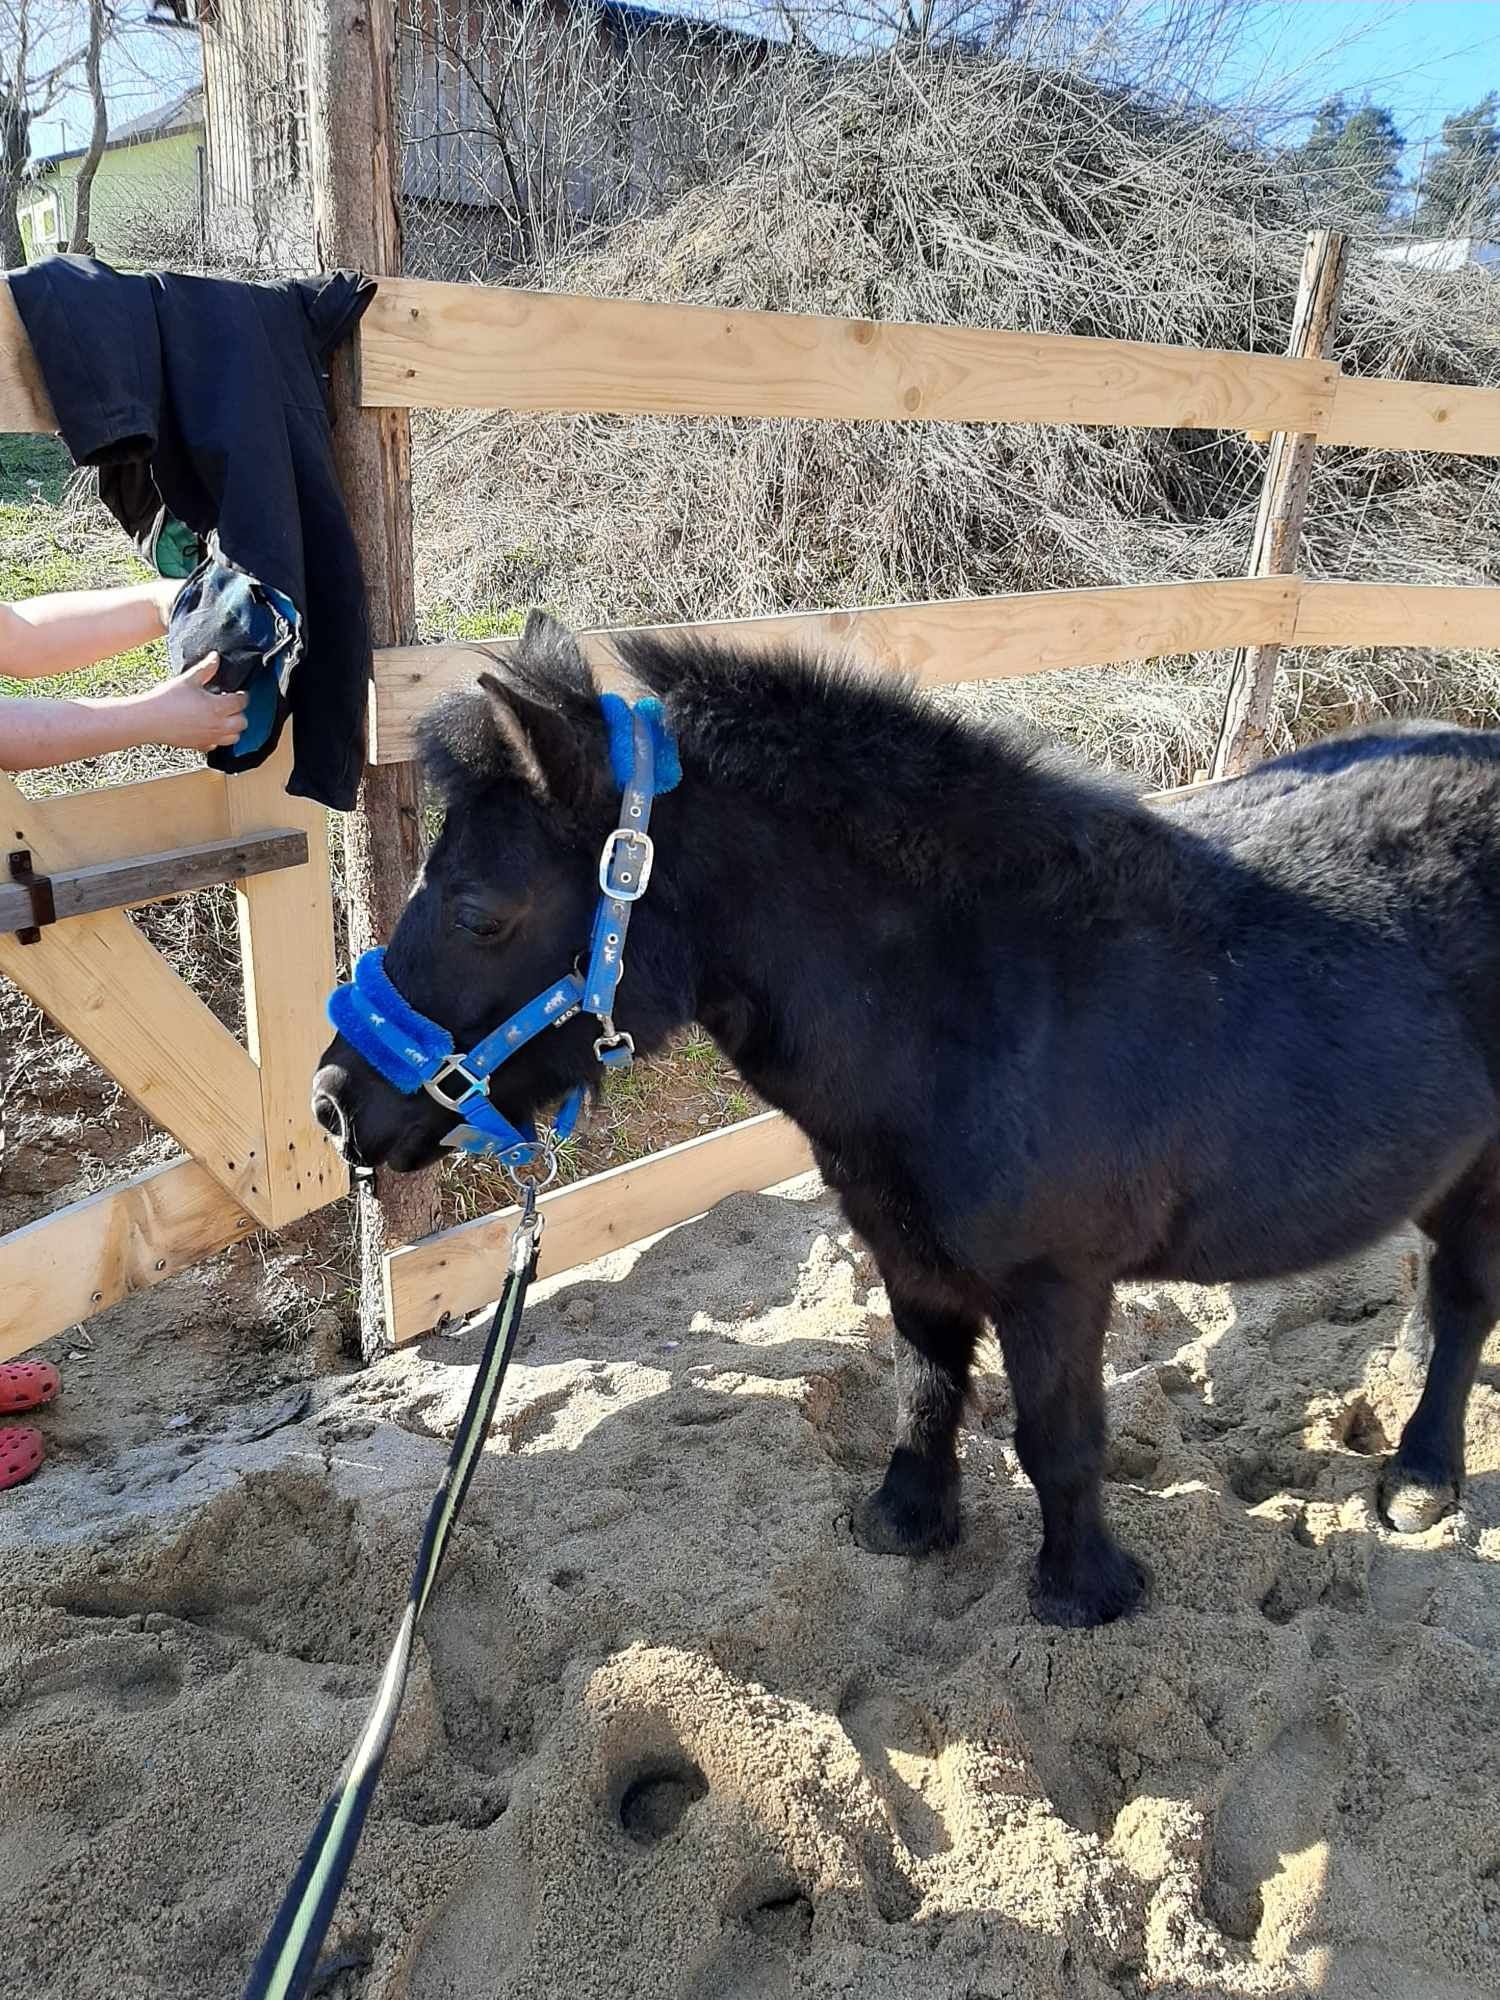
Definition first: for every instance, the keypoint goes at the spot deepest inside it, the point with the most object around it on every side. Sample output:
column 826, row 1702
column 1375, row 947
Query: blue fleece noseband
column 413, row 1053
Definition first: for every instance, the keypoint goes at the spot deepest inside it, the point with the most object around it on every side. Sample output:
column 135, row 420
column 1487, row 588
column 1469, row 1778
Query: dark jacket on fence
column 204, row 399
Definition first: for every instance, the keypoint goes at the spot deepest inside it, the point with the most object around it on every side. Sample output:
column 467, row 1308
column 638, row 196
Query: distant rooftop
column 183, row 114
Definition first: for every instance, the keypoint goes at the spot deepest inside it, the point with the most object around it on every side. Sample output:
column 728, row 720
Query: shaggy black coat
column 1042, row 1035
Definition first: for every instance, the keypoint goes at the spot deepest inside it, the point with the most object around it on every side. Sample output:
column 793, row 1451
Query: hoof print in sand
column 654, row 1804
column 760, row 1953
column 784, row 1920
column 1270, row 1826
column 901, row 1750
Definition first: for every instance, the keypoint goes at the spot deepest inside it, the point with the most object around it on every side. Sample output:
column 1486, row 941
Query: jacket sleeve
column 95, row 337
column 334, row 305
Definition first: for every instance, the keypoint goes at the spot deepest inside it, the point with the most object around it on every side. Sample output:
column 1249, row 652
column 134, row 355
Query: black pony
column 1041, row 1035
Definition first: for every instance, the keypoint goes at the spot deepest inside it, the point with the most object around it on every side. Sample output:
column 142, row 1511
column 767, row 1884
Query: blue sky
column 1425, row 59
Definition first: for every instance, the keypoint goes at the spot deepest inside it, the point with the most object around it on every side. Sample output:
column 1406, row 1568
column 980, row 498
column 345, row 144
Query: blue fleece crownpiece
column 619, row 722
column 394, row 1039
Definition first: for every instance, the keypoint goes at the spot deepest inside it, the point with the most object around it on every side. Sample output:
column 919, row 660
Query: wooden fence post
column 1283, row 503
column 355, row 152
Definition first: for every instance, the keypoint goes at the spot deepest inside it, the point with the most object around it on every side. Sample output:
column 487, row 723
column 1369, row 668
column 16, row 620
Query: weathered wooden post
column 355, row 151
column 1283, row 504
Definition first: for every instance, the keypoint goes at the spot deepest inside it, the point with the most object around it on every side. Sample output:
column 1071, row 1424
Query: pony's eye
column 478, row 923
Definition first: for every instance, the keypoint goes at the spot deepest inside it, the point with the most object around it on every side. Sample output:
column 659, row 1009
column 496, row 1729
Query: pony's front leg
column 1051, row 1326
column 916, row 1505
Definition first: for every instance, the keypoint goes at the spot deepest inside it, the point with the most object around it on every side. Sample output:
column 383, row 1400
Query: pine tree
column 1460, row 192
column 1350, row 161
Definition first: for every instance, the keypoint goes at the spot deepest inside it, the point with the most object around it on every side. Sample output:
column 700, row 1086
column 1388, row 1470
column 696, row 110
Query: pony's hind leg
column 1422, row 1481
column 915, row 1507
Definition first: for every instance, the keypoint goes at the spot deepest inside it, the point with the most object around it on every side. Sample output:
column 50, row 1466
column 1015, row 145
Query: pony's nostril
column 329, row 1113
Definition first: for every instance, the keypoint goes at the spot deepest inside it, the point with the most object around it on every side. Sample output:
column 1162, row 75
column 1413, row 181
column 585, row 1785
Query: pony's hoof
column 1107, row 1586
column 1410, row 1506
column 887, row 1525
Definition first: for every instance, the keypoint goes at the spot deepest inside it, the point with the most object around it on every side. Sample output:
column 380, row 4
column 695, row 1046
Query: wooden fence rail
column 1001, row 638
column 479, row 347
column 126, row 884
column 482, row 347
column 964, row 639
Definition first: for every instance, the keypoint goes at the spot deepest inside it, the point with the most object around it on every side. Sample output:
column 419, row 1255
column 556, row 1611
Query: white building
column 1441, row 253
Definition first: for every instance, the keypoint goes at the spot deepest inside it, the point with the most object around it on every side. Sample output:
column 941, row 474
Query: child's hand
column 189, row 715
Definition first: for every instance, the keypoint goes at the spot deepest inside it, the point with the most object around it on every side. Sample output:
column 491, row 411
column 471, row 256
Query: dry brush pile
column 988, row 194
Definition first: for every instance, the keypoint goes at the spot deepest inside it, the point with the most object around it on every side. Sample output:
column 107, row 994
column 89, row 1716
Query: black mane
column 857, row 755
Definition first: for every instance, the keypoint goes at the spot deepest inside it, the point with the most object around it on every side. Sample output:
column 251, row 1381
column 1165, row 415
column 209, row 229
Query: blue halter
column 414, row 1053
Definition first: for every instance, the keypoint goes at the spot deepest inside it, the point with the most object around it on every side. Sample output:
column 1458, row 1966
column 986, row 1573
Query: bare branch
column 80, row 242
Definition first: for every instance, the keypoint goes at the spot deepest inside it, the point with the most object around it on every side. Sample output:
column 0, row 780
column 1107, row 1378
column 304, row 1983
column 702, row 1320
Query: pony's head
column 504, row 903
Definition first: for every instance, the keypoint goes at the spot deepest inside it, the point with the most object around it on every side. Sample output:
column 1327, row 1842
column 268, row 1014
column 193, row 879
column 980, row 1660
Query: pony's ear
column 559, row 756
column 549, row 650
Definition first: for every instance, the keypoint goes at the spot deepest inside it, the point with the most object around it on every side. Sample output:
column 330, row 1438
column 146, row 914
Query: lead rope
column 291, row 1949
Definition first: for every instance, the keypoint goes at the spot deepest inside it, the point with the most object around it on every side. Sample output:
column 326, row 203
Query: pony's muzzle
column 328, row 1109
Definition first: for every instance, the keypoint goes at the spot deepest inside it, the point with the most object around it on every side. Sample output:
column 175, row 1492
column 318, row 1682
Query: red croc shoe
column 21, row 1453
column 26, row 1385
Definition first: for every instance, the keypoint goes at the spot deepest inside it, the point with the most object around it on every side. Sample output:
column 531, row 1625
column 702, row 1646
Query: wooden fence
column 466, row 346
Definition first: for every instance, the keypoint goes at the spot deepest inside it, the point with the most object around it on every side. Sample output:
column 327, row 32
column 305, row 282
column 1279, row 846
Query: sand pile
column 672, row 1733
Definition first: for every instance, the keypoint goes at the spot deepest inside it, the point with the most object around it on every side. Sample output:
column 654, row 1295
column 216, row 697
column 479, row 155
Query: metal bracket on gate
column 43, row 909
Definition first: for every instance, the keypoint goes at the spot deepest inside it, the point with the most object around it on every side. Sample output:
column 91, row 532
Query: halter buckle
column 625, row 864
column 455, row 1066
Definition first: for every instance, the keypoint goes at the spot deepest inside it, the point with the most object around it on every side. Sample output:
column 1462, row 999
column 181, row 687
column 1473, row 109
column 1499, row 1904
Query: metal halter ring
column 537, row 1183
column 454, row 1066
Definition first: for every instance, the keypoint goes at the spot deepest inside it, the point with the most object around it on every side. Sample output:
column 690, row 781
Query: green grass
column 700, row 1054
column 32, row 557
column 128, row 674
column 33, row 468
column 43, row 548
column 492, row 622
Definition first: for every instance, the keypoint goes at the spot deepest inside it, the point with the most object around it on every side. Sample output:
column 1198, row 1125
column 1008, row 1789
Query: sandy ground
column 672, row 1733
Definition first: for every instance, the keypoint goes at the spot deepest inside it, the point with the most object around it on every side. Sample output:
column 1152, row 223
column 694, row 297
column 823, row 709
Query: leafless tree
column 93, row 66
column 39, row 54
column 124, row 54
column 1173, row 48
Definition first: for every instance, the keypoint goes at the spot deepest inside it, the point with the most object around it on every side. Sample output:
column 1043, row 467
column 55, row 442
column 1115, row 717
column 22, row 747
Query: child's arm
column 76, row 628
column 182, row 712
